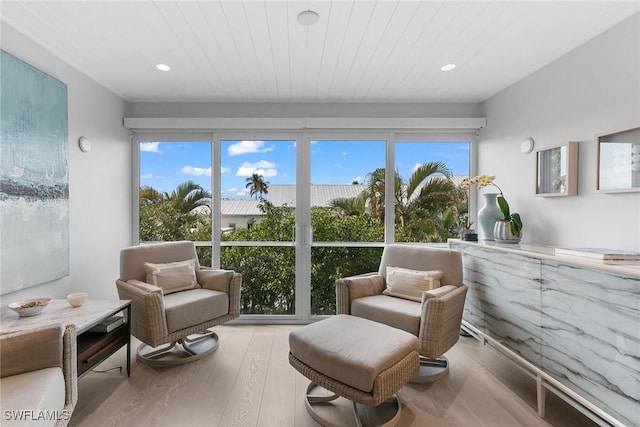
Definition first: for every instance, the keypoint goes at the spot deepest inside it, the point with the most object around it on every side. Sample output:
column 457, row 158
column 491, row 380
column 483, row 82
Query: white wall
column 99, row 181
column 592, row 90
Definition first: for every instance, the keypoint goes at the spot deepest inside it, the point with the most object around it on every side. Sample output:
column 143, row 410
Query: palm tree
column 375, row 192
column 257, row 186
column 429, row 188
column 174, row 216
column 423, row 201
column 350, row 205
column 189, row 196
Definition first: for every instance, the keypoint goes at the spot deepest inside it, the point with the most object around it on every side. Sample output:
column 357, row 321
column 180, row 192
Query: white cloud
column 267, row 173
column 262, row 164
column 146, row 176
column 225, row 170
column 263, row 167
column 244, row 147
column 150, row 147
column 358, row 178
column 415, row 167
column 195, row 171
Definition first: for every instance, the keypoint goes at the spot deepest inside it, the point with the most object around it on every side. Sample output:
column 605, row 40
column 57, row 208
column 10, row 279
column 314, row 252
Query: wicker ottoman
column 357, row 359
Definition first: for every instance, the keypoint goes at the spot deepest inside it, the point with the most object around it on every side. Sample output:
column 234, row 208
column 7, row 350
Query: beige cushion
column 187, row 309
column 424, row 258
column 351, row 350
column 30, row 351
column 39, row 392
column 397, row 312
column 410, row 284
column 173, row 276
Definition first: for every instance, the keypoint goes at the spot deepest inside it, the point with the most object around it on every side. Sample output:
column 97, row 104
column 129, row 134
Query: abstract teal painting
column 34, row 181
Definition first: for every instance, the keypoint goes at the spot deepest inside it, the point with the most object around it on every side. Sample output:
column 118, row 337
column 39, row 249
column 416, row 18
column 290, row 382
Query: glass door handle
column 309, row 231
column 294, row 235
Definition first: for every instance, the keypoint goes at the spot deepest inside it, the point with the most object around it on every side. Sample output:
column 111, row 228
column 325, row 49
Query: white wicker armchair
column 177, row 317
column 434, row 317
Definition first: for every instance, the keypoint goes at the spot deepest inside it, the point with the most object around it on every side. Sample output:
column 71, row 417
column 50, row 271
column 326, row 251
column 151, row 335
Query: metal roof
column 240, row 207
column 321, row 195
column 283, row 194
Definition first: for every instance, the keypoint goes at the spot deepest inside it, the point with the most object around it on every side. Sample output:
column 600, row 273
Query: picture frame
column 618, row 168
column 557, row 170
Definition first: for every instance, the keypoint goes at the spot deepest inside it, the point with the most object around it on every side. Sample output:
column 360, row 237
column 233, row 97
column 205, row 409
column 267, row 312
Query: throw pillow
column 173, row 276
column 410, row 284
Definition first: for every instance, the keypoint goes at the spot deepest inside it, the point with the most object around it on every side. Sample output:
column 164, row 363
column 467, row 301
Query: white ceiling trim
column 303, row 123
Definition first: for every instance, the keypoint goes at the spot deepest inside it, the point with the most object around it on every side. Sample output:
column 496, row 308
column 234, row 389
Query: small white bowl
column 29, row 307
column 77, row 299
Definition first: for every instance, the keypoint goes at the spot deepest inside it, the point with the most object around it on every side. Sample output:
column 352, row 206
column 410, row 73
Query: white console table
column 573, row 323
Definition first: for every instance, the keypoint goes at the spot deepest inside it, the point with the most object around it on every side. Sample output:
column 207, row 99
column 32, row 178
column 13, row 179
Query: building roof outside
column 283, row 194
column 321, row 195
column 240, row 207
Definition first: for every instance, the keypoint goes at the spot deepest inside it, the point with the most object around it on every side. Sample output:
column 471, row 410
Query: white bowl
column 77, row 299
column 29, row 307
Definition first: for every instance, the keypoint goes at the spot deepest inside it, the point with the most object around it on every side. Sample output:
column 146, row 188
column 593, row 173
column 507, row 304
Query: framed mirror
column 557, row 170
column 619, row 161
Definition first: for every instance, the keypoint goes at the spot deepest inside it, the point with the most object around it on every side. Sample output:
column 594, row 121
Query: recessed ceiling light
column 308, row 17
column 448, row 67
column 163, row 67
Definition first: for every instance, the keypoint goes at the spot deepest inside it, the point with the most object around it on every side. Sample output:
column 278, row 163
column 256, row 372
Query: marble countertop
column 627, row 268
column 59, row 311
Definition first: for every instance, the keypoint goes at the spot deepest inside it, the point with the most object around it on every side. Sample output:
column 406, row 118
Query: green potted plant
column 509, row 228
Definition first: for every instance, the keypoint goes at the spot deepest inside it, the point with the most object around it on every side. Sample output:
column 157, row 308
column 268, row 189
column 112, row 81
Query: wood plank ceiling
column 358, row 51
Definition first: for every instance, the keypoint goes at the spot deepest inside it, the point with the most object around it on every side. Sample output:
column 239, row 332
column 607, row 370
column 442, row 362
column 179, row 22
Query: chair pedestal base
column 431, row 370
column 331, row 410
column 186, row 350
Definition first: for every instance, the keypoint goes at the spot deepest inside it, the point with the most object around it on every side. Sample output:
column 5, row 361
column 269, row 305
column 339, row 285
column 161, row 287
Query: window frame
column 303, row 178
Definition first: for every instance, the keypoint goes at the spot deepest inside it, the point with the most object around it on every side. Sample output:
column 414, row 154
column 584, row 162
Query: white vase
column 502, row 232
column 488, row 215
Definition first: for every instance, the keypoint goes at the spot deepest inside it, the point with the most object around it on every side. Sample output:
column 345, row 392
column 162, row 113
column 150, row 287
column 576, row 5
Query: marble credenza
column 574, row 322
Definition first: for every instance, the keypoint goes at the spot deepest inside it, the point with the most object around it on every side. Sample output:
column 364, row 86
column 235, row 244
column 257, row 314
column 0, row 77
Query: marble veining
column 590, row 335
column 498, row 293
column 577, row 322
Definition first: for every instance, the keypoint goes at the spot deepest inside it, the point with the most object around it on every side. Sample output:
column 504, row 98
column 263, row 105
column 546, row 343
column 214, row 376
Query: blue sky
column 165, row 165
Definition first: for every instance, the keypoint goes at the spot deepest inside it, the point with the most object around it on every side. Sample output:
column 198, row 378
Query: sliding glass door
column 347, row 226
column 258, row 221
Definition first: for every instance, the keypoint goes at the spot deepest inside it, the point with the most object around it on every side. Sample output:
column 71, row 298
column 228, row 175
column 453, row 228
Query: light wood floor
column 248, row 382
